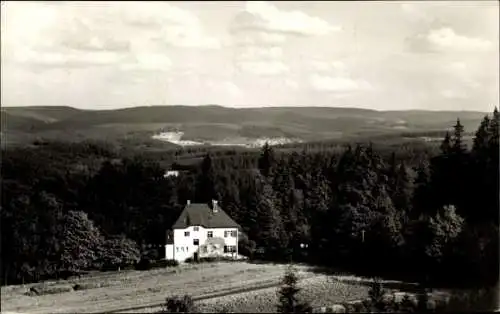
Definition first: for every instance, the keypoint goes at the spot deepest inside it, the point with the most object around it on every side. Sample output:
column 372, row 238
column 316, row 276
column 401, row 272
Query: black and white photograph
column 250, row 156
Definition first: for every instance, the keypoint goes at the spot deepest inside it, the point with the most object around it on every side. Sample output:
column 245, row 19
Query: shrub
column 376, row 294
column 176, row 304
column 209, row 259
column 406, row 305
column 360, row 307
column 288, row 302
column 144, row 264
column 471, row 301
column 45, row 290
column 86, row 286
column 166, row 263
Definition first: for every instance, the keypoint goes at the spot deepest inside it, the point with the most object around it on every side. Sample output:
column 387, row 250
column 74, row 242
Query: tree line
column 413, row 212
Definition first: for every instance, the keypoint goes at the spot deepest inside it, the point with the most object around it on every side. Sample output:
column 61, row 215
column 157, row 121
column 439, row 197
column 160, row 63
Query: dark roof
column 196, row 214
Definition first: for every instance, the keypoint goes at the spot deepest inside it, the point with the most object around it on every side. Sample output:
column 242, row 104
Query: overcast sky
column 378, row 55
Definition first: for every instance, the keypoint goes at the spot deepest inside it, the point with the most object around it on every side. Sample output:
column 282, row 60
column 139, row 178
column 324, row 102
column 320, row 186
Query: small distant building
column 202, row 231
column 171, row 173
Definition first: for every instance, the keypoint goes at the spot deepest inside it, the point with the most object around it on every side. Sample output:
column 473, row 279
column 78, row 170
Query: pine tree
column 403, row 190
column 482, row 137
column 288, row 302
column 267, row 161
column 446, row 144
column 270, row 231
column 376, row 294
column 205, row 189
column 458, row 146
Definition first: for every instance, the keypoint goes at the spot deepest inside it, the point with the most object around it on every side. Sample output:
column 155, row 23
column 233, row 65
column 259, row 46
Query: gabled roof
column 196, row 214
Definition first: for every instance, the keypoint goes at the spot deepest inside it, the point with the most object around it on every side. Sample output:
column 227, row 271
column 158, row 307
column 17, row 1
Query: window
column 226, row 233
column 196, row 242
column 210, row 234
column 233, row 234
column 196, row 228
column 186, row 233
column 177, row 248
column 229, row 248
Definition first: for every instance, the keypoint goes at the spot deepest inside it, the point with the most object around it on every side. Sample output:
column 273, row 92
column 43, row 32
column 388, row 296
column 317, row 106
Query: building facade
column 202, row 231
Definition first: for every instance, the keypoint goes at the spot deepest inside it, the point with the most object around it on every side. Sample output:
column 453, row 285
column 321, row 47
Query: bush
column 176, row 304
column 86, row 286
column 144, row 264
column 166, row 263
column 209, row 259
column 45, row 290
column 471, row 301
column 376, row 294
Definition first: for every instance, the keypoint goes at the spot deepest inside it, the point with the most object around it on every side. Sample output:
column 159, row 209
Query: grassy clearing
column 138, row 288
column 319, row 291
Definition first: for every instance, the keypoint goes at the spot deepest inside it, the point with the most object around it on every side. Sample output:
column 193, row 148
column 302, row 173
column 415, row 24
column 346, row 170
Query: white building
column 202, row 231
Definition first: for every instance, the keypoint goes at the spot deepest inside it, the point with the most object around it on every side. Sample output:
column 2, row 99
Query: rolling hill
column 219, row 125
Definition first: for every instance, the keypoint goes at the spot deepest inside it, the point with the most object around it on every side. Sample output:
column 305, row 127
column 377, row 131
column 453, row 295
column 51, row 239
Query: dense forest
column 412, row 212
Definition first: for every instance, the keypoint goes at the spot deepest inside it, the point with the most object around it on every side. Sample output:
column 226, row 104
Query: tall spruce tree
column 458, row 145
column 267, row 161
column 288, row 301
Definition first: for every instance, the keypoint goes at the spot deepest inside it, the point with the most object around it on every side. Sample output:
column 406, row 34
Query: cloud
column 260, row 31
column 291, row 83
column 68, row 58
column 223, row 86
column 445, row 39
column 262, row 68
column 327, row 66
column 256, row 52
column 453, row 94
column 264, row 16
column 255, row 37
column 133, row 35
column 337, row 84
column 149, row 61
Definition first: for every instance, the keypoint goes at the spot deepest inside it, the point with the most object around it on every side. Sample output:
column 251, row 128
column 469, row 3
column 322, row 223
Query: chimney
column 188, row 202
column 214, row 206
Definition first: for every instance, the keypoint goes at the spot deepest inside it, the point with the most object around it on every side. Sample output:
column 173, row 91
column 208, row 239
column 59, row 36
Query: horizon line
column 252, row 107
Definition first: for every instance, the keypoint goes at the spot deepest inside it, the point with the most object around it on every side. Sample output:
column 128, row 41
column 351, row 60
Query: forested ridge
column 413, row 213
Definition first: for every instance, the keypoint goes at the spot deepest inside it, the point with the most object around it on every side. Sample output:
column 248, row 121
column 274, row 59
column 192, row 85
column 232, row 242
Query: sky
column 379, row 55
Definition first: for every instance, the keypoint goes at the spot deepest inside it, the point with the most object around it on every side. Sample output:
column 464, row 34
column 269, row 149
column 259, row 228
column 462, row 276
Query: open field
column 132, row 289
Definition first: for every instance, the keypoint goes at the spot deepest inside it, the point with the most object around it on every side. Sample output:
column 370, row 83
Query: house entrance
column 195, row 257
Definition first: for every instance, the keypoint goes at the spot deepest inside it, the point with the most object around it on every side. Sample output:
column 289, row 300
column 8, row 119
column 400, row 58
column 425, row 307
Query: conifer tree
column 482, row 137
column 446, row 144
column 267, row 161
column 458, row 146
column 288, row 302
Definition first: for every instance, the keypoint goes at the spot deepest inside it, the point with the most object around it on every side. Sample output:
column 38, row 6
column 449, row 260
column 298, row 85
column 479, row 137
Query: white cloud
column 446, row 38
column 256, row 52
column 265, row 16
column 263, row 68
column 327, row 66
column 336, row 84
column 255, row 37
column 149, row 61
column 176, row 26
column 291, row 83
column 260, row 31
column 453, row 94
column 97, row 33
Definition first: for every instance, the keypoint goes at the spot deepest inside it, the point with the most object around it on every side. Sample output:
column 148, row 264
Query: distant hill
column 213, row 124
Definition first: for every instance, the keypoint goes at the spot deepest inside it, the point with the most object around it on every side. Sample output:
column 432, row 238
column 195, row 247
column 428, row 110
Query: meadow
column 119, row 291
